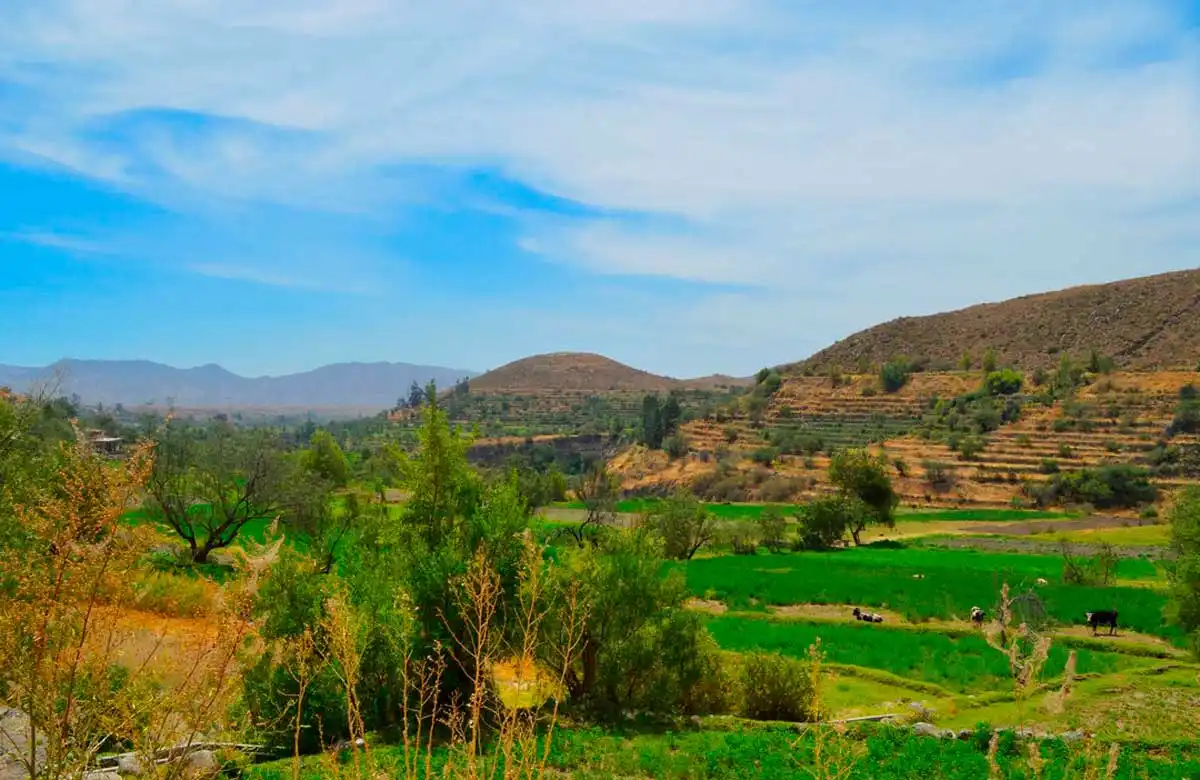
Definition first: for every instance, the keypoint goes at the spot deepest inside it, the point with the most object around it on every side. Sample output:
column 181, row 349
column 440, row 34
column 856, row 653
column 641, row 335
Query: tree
column 652, row 422
column 772, row 526
column 965, row 362
column 990, row 362
column 639, row 648
column 416, row 396
column 858, row 475
column 824, row 521
column 1185, row 573
column 671, row 413
column 598, row 490
column 894, row 375
column 1004, row 382
column 683, row 523
column 325, row 459
column 208, row 484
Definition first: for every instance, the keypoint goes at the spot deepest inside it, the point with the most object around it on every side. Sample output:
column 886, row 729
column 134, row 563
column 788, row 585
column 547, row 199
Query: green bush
column 1109, row 487
column 775, row 687
column 894, row 375
column 1004, row 382
column 764, row 456
column 970, row 447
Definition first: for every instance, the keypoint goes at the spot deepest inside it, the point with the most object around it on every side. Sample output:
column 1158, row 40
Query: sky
column 688, row 186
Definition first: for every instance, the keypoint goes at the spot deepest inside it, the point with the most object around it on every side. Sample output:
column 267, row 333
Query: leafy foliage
column 1107, row 487
column 860, row 477
column 683, row 523
column 894, row 375
column 776, row 687
column 1185, row 574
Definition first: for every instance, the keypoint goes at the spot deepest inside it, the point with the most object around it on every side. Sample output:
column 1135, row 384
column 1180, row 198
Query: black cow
column 977, row 616
column 1107, row 617
column 867, row 617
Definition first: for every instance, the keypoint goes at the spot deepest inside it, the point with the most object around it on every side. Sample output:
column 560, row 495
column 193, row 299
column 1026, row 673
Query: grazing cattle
column 1042, row 581
column 867, row 617
column 977, row 616
column 1105, row 617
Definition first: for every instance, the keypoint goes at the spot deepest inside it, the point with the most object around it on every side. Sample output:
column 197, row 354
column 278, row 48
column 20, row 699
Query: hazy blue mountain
column 134, row 382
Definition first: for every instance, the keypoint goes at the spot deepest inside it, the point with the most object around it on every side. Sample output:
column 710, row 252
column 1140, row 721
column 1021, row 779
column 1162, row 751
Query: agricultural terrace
column 947, row 450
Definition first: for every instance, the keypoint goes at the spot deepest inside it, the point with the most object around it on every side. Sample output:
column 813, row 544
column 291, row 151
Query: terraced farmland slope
column 1144, row 323
column 1116, row 419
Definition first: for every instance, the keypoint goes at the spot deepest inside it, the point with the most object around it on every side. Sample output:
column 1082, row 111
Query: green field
column 777, row 752
column 754, row 511
column 963, row 664
column 954, row 581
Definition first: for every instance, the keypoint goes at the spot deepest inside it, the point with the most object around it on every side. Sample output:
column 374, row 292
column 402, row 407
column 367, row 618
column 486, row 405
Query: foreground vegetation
column 297, row 610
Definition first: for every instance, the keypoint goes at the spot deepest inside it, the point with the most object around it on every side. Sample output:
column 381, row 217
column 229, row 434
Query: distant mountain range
column 139, row 382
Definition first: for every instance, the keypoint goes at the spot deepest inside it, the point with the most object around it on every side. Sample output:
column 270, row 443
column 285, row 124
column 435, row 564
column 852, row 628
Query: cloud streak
column 896, row 159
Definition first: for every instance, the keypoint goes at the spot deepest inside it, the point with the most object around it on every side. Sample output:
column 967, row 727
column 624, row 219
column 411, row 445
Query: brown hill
column 1144, row 323
column 582, row 372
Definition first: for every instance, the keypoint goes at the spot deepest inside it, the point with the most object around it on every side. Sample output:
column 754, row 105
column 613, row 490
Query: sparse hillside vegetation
column 1136, row 324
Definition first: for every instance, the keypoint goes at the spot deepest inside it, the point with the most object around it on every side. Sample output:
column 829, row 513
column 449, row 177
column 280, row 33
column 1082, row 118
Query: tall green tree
column 860, row 477
column 671, row 413
column 1185, row 572
column 325, row 459
column 653, row 431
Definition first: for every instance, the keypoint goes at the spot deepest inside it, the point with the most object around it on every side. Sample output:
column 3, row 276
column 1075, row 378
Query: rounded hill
column 570, row 371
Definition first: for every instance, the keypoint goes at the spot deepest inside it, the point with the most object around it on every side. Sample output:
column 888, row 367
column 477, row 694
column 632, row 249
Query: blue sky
column 690, row 186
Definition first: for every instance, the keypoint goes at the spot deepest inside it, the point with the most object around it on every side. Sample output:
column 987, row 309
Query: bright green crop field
column 963, row 664
column 953, row 582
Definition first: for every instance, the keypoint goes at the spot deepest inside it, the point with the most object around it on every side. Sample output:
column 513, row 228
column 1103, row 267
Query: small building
column 105, row 444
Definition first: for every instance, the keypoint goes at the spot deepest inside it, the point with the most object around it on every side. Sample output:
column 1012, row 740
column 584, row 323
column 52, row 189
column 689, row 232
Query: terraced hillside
column 782, row 453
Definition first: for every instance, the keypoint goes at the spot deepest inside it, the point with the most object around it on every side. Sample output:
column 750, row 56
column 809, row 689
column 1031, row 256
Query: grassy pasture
column 754, row 511
column 959, row 663
column 954, row 581
column 740, row 751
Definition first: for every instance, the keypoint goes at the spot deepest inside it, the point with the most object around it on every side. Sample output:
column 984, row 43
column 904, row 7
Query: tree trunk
column 854, row 532
column 591, row 659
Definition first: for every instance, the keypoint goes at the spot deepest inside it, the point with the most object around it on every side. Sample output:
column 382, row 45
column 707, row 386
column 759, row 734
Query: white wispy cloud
column 897, row 157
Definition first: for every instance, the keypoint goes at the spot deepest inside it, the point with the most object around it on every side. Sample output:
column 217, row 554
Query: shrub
column 772, row 527
column 676, row 446
column 989, row 362
column 779, row 489
column 938, row 475
column 1004, row 382
column 869, row 391
column 765, row 456
column 1065, row 451
column 970, row 447
column 172, row 594
column 731, row 434
column 743, row 537
column 894, row 375
column 823, row 523
column 775, row 687
column 1110, row 487
column 1048, row 466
